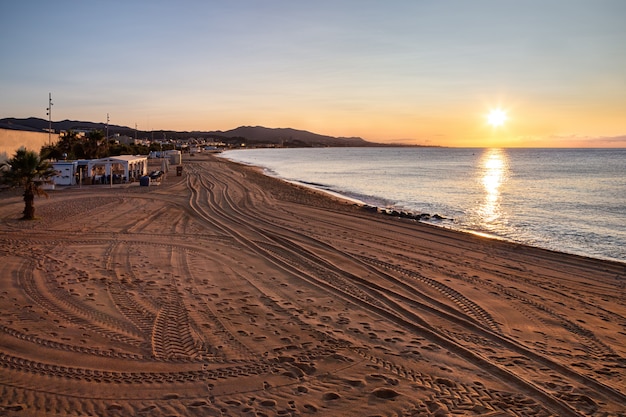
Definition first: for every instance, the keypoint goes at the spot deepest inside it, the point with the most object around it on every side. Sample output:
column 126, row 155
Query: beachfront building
column 117, row 169
column 174, row 157
column 14, row 137
column 66, row 172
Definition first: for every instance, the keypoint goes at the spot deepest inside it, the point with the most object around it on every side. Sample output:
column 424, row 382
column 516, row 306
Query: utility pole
column 107, row 138
column 49, row 113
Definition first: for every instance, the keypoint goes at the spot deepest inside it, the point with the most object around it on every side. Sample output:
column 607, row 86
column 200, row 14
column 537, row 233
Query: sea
column 568, row 200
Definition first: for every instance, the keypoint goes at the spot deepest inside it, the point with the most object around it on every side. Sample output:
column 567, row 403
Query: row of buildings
column 114, row 169
column 110, row 170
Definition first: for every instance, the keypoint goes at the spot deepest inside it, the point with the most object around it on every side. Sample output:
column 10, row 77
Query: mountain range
column 247, row 134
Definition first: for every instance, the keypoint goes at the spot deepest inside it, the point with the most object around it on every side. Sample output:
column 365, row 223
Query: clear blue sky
column 426, row 71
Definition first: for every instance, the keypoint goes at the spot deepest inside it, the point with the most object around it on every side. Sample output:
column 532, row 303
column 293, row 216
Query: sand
column 224, row 292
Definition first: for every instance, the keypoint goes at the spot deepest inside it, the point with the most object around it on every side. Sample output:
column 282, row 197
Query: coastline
column 229, row 291
column 421, row 218
column 489, row 192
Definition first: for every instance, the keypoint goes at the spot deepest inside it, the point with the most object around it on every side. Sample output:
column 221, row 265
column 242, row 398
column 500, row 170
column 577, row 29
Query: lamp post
column 49, row 113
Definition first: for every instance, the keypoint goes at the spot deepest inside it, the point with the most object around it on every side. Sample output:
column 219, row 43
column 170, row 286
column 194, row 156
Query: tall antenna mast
column 49, row 113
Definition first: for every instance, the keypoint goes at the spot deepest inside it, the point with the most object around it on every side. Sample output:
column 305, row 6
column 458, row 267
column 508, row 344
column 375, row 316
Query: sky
column 411, row 72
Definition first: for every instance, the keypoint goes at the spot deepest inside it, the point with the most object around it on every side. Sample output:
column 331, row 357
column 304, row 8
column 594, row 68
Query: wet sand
column 224, row 292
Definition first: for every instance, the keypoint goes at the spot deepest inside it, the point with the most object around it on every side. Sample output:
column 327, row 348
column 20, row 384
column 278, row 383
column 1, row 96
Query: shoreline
column 533, row 221
column 406, row 216
column 229, row 292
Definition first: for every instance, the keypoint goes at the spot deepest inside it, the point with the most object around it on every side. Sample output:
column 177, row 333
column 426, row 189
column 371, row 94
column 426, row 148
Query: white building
column 123, row 168
column 66, row 173
column 173, row 156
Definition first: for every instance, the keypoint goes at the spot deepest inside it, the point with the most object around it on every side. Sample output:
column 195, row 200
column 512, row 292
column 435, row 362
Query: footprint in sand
column 385, row 393
column 331, row 396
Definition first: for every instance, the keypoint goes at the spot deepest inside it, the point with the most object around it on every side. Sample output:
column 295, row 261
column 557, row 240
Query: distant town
column 101, row 153
column 48, row 132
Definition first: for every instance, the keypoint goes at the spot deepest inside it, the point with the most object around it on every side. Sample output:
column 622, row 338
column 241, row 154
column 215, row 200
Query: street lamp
column 49, row 113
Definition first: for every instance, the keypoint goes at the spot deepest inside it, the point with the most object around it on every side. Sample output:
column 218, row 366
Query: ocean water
column 570, row 200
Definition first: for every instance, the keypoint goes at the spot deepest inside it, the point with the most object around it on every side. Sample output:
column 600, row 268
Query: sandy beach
column 224, row 292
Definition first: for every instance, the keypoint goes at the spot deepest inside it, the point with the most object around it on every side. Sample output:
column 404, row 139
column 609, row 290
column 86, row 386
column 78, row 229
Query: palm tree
column 26, row 169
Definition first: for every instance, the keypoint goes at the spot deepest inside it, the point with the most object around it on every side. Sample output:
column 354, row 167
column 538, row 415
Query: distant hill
column 287, row 136
column 34, row 123
column 247, row 134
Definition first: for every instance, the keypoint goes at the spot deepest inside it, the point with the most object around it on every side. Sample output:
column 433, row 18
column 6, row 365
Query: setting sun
column 497, row 117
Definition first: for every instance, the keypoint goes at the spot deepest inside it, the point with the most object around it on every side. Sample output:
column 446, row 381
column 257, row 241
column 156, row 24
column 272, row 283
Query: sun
column 497, row 117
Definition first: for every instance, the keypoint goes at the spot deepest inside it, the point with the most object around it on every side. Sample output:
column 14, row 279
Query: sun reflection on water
column 494, row 167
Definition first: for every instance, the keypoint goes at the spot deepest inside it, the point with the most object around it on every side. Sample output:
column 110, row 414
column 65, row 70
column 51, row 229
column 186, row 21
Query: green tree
column 67, row 144
column 50, row 152
column 26, row 169
column 157, row 147
column 66, row 148
column 116, row 149
column 97, row 146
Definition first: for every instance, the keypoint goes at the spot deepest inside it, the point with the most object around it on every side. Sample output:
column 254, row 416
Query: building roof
column 125, row 158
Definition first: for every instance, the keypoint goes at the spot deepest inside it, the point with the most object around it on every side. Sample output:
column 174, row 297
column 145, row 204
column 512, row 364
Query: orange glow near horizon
column 505, row 122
